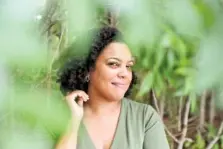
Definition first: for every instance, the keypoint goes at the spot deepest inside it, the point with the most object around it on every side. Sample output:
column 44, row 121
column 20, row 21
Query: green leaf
column 206, row 13
column 183, row 17
column 179, row 92
column 216, row 146
column 185, row 62
column 187, row 144
column 211, row 131
column 200, row 143
column 181, row 47
column 189, row 84
column 160, row 53
column 170, row 59
column 184, row 71
column 159, row 83
column 221, row 139
column 193, row 102
column 146, row 84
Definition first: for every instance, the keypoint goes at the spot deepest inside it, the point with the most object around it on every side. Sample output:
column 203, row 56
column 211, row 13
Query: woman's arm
column 155, row 137
column 69, row 140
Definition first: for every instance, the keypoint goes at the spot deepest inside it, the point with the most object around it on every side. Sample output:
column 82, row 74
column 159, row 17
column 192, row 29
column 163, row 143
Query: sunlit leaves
column 4, row 84
column 20, row 137
column 163, row 35
column 80, row 16
column 209, row 60
column 146, row 85
column 20, row 41
column 142, row 14
column 170, row 59
column 200, row 142
column 206, row 12
column 184, row 18
column 37, row 107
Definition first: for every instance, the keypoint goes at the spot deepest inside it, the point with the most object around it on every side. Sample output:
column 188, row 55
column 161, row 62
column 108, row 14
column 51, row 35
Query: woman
column 96, row 89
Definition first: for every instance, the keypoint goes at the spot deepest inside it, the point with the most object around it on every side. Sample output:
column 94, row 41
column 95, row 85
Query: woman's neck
column 97, row 105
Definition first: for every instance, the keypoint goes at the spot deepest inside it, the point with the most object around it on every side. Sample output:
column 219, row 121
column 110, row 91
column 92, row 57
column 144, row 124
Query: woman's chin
column 117, row 97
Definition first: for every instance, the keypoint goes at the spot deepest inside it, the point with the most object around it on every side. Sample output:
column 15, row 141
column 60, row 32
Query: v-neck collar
column 118, row 132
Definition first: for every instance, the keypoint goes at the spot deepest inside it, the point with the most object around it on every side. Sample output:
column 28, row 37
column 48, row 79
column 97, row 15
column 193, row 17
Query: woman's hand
column 75, row 101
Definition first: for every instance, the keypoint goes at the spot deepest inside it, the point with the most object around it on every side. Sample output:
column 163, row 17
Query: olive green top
column 139, row 127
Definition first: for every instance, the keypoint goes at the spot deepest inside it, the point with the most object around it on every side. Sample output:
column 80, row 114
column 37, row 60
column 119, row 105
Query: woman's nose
column 123, row 72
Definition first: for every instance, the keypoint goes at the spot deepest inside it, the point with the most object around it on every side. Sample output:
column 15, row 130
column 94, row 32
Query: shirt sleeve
column 155, row 136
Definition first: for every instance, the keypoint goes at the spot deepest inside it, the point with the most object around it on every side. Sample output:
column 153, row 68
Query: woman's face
column 112, row 74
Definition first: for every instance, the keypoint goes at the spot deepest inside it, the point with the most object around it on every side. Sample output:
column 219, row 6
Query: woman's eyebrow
column 118, row 59
column 133, row 59
column 115, row 58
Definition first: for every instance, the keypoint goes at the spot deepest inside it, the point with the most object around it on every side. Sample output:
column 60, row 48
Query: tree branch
column 217, row 137
column 157, row 109
column 212, row 110
column 180, row 113
column 185, row 124
column 202, row 110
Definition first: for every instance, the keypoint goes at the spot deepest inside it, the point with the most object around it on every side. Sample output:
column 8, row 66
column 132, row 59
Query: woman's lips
column 120, row 85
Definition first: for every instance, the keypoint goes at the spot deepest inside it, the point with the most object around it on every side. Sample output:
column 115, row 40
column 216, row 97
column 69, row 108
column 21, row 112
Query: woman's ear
column 87, row 78
column 91, row 69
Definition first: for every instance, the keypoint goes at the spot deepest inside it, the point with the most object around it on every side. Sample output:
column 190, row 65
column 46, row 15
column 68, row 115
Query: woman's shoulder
column 141, row 114
column 145, row 111
column 135, row 105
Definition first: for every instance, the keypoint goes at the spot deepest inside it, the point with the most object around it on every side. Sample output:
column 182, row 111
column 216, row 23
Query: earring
column 87, row 78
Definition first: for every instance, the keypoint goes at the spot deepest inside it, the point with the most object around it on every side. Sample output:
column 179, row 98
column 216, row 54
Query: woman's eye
column 113, row 64
column 129, row 67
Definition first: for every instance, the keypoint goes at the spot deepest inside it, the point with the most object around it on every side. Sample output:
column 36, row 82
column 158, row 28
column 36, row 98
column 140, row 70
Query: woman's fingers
column 75, row 101
column 78, row 96
column 80, row 101
column 84, row 96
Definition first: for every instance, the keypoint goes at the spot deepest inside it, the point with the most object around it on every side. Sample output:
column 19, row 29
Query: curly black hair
column 72, row 75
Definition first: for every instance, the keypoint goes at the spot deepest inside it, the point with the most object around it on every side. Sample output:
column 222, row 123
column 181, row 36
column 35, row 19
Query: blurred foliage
column 177, row 45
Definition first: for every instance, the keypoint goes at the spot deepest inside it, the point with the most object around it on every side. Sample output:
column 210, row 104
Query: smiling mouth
column 120, row 85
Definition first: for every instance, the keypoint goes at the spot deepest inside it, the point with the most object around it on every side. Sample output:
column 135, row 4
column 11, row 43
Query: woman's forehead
column 118, row 50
